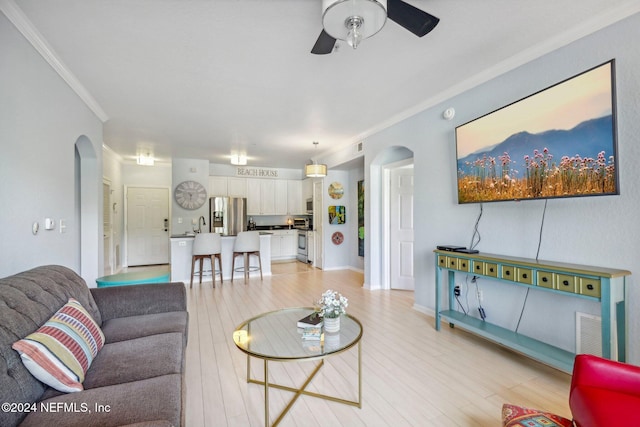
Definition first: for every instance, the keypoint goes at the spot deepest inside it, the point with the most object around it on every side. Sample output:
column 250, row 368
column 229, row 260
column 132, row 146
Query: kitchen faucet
column 201, row 223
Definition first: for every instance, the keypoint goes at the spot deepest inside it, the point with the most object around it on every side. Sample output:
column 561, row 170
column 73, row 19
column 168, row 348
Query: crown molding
column 17, row 17
column 534, row 52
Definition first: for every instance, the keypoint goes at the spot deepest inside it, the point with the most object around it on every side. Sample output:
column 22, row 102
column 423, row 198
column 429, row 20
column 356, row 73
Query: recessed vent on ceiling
column 359, row 147
column 588, row 334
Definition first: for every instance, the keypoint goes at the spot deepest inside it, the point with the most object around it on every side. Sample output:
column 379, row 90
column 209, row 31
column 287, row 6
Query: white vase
column 332, row 324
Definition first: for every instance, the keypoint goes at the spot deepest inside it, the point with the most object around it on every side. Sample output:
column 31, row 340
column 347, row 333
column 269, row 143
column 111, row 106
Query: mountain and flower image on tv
column 540, row 173
column 559, row 142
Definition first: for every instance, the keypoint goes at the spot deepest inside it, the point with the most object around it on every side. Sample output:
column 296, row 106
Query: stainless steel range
column 303, row 226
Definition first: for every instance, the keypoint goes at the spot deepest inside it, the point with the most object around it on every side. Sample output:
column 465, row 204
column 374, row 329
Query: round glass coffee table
column 275, row 337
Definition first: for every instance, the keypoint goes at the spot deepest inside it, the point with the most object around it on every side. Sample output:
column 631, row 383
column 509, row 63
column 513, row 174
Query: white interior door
column 318, row 218
column 147, row 226
column 401, row 228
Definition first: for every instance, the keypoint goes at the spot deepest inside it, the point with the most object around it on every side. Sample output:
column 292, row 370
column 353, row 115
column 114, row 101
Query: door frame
column 318, row 218
column 110, row 255
column 125, row 245
column 385, row 279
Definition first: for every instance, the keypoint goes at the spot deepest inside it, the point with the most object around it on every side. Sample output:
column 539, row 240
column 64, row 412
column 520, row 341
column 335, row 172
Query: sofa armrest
column 124, row 301
column 592, row 371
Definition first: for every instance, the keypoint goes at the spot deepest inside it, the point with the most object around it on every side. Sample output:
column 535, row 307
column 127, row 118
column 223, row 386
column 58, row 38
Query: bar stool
column 247, row 243
column 207, row 245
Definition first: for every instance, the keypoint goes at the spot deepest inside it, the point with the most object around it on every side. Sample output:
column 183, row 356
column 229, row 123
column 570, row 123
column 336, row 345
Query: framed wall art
column 337, row 215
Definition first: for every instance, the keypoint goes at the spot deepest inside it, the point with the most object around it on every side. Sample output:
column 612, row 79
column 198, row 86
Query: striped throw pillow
column 60, row 351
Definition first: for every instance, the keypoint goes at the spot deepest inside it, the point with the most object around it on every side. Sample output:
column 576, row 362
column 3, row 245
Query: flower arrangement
column 332, row 304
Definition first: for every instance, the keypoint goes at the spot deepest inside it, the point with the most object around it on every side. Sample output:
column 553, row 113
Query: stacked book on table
column 311, row 326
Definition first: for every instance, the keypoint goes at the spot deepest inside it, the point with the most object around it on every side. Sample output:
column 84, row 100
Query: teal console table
column 605, row 285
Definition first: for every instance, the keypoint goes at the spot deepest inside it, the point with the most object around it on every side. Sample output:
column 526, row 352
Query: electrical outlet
column 456, row 290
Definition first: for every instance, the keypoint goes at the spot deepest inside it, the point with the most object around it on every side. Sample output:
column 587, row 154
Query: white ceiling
column 199, row 78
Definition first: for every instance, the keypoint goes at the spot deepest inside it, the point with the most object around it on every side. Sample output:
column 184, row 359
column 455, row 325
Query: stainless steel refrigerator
column 227, row 215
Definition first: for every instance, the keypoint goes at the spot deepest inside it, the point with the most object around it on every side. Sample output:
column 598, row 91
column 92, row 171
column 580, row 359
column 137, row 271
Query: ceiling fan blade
column 410, row 17
column 324, row 44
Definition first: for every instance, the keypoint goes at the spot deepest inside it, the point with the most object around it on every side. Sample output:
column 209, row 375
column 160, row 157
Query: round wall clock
column 190, row 195
column 337, row 238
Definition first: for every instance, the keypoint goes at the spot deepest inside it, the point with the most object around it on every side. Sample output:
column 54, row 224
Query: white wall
column 41, row 119
column 602, row 231
column 336, row 256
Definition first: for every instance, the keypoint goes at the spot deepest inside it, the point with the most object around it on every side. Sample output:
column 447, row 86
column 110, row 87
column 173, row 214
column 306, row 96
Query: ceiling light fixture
column 145, row 159
column 315, row 170
column 353, row 20
column 238, row 159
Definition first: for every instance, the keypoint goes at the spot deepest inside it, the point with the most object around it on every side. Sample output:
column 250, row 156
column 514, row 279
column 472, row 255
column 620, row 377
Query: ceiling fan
column 356, row 20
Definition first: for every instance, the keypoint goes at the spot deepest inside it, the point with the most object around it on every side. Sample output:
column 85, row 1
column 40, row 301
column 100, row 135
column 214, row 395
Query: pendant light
column 314, row 169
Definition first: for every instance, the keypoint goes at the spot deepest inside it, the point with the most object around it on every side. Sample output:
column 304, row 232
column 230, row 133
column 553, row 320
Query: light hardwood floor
column 412, row 375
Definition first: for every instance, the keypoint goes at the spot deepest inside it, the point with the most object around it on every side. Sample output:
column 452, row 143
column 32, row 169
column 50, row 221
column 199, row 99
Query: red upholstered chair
column 604, row 393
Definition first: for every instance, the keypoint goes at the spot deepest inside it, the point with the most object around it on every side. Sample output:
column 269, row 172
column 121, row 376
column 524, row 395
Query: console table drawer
column 464, row 265
column 545, row 279
column 479, row 267
column 508, row 272
column 455, row 263
column 566, row 283
column 524, row 275
column 490, row 269
column 442, row 261
column 590, row 287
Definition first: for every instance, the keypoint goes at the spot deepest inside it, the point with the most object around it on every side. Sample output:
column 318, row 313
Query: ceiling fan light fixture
column 353, row 20
column 354, row 36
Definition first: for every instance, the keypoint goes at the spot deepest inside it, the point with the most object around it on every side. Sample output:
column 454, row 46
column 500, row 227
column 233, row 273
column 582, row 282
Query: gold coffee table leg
column 266, row 393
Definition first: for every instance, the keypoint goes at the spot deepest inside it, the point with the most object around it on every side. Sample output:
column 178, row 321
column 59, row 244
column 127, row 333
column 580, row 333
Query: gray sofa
column 137, row 378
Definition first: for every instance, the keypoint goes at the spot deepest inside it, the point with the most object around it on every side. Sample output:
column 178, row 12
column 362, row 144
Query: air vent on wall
column 588, row 334
column 359, row 147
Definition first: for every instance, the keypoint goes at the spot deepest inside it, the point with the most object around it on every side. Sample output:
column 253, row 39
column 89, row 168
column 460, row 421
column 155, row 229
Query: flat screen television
column 558, row 142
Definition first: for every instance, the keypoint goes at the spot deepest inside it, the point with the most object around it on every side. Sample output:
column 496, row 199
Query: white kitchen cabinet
column 295, row 205
column 254, row 196
column 236, row 187
column 217, row 186
column 284, row 244
column 280, row 197
column 311, row 247
column 266, row 197
column 227, row 186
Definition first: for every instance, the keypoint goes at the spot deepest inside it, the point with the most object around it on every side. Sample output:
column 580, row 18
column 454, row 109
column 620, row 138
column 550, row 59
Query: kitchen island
column 182, row 248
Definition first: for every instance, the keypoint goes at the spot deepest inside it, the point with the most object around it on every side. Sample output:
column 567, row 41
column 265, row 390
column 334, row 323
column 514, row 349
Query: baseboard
column 343, row 267
column 425, row 310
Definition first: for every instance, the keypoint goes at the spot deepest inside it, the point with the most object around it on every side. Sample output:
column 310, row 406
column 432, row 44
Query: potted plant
column 332, row 305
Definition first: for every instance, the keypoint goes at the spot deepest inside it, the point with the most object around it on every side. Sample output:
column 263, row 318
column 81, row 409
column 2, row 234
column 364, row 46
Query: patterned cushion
column 60, row 351
column 516, row 416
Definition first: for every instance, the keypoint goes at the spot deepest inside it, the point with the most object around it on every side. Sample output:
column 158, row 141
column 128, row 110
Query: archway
column 376, row 222
column 88, row 206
